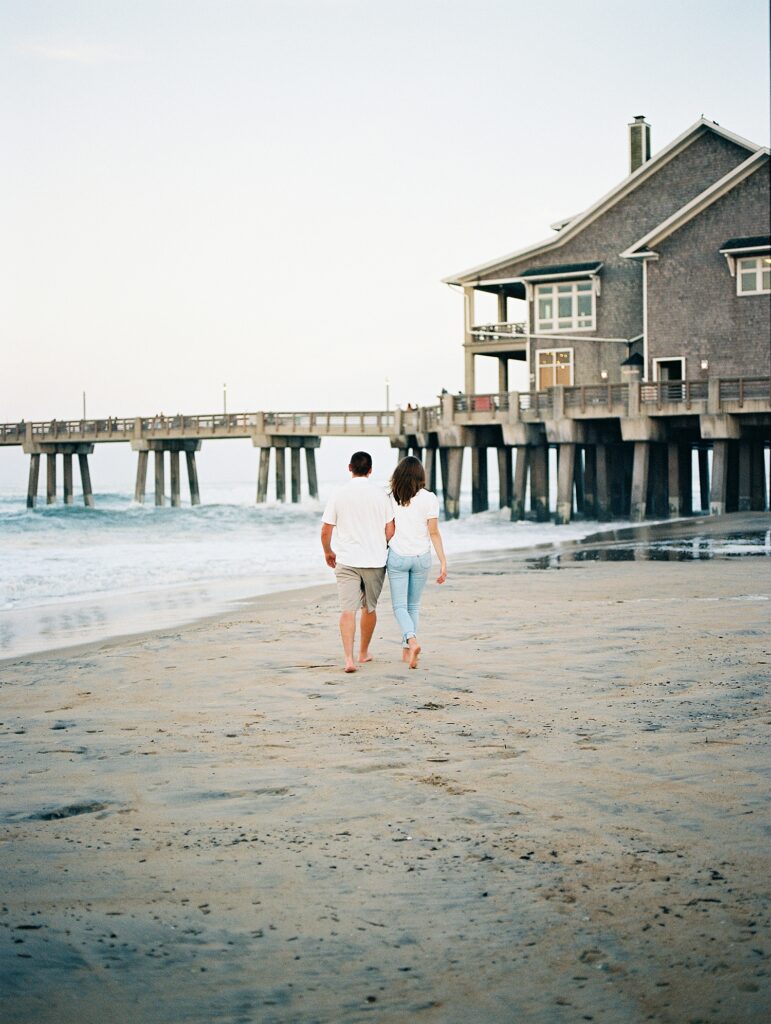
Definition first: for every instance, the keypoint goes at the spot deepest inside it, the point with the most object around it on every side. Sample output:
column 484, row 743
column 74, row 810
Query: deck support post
column 67, row 475
column 539, row 481
column 295, row 464
column 280, row 474
column 479, row 494
column 192, row 478
column 704, row 488
column 578, row 471
column 745, row 476
column 85, row 480
column 566, row 471
column 504, row 476
column 50, row 478
column 758, row 483
column 674, row 479
column 429, row 465
column 310, row 472
column 34, row 478
column 262, row 475
column 719, row 489
column 174, row 474
column 638, row 500
column 657, row 480
column 519, row 485
column 141, row 483
column 452, row 467
column 160, row 481
column 590, row 481
column 602, row 483
column 503, row 373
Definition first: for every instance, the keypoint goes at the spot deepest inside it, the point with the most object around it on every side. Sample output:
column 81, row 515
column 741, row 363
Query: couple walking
column 378, row 531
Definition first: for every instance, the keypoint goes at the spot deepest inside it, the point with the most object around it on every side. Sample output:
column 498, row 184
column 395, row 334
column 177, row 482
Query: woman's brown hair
column 408, row 478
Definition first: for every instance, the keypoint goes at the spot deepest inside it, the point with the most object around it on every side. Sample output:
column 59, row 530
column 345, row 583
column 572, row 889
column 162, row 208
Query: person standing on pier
column 361, row 513
column 416, row 516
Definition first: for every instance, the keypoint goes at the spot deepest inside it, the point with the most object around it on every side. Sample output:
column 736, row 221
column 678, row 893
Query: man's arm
column 326, row 543
column 390, row 530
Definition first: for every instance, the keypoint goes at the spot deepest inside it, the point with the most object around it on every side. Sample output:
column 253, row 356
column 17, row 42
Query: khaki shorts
column 358, row 588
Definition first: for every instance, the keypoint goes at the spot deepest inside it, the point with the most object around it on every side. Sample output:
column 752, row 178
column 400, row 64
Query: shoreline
column 228, row 605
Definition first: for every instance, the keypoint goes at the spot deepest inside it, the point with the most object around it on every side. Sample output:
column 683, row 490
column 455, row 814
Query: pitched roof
column 745, row 244
column 582, row 220
column 679, row 218
column 560, row 269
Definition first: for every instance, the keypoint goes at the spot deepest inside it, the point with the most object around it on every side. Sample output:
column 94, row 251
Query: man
column 362, row 515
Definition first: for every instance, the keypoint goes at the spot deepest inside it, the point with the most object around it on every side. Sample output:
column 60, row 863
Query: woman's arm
column 436, row 540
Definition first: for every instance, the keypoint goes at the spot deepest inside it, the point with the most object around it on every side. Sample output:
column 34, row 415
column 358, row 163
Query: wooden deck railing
column 737, row 389
column 498, row 332
column 682, row 391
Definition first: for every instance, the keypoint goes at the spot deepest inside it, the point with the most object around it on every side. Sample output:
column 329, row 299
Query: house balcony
column 506, row 337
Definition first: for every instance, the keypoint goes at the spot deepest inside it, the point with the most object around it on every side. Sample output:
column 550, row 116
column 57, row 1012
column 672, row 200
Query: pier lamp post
column 388, row 394
column 84, row 405
column 225, row 399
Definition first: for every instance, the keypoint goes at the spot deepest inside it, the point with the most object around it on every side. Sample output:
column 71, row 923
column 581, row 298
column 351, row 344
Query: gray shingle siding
column 693, row 308
column 619, row 307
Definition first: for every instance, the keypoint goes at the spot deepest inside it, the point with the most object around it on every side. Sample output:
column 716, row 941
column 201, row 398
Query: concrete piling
column 519, row 486
column 141, row 481
column 262, row 476
column 295, row 464
column 280, row 474
column 34, row 478
column 192, row 478
column 566, row 471
column 505, row 482
column 539, row 481
column 480, row 501
column 50, row 478
column 160, row 480
column 310, row 471
column 174, row 474
column 67, row 475
column 639, row 498
column 85, row 480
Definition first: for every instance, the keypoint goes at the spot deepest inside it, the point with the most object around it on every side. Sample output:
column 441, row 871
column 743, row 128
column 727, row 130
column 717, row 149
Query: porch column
column 520, row 482
column 590, row 481
column 51, row 478
column 503, row 374
column 758, row 485
column 295, row 463
column 504, row 476
column 603, row 502
column 174, row 473
column 67, row 474
column 719, row 488
column 468, row 338
column 141, row 482
column 280, row 474
column 34, row 478
column 539, row 481
column 430, row 467
column 704, row 479
column 160, row 481
column 85, row 480
column 638, row 502
column 479, row 494
column 452, row 467
column 310, row 471
column 192, row 478
column 745, row 476
column 566, row 470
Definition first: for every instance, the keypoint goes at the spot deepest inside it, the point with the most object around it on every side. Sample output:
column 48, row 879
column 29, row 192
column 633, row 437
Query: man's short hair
column 361, row 463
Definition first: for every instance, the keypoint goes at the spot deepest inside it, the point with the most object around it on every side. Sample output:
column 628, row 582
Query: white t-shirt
column 360, row 512
column 411, row 537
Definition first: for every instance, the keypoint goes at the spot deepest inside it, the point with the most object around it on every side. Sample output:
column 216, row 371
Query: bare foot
column 349, row 666
column 414, row 651
column 405, row 654
column 364, row 657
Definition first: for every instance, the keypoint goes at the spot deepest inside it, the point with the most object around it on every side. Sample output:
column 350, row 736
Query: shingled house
column 672, row 264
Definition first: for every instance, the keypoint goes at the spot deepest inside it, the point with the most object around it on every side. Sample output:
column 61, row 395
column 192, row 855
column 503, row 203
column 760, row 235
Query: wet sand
column 560, row 816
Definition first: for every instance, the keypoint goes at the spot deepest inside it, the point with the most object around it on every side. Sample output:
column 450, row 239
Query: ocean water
column 73, row 575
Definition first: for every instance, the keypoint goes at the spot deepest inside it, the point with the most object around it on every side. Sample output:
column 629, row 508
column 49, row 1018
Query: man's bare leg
column 368, row 623
column 348, row 633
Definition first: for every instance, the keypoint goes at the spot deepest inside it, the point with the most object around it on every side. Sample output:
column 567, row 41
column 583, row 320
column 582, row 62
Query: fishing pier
column 621, row 449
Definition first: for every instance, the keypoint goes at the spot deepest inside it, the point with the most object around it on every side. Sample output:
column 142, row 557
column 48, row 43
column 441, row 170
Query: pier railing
column 664, row 391
column 737, row 389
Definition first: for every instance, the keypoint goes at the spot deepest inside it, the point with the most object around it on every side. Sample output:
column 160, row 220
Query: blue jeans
column 407, row 575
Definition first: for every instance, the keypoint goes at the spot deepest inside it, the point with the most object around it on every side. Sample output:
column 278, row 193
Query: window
column 555, row 366
column 564, row 307
column 753, row 275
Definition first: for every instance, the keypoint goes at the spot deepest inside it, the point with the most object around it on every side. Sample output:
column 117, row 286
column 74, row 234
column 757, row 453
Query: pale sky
column 267, row 193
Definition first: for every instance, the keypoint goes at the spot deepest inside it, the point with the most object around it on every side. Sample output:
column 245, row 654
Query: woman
column 416, row 512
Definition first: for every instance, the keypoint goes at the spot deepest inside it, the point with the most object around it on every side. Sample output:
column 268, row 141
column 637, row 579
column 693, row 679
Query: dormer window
column 753, row 275
column 564, row 306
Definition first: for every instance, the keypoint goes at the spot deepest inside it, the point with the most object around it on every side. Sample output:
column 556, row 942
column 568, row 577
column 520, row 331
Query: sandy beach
column 560, row 816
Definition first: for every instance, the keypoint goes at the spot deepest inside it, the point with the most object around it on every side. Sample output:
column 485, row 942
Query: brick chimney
column 639, row 142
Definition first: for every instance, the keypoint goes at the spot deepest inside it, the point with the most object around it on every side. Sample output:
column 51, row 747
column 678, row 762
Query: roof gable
column 573, row 227
column 643, row 246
